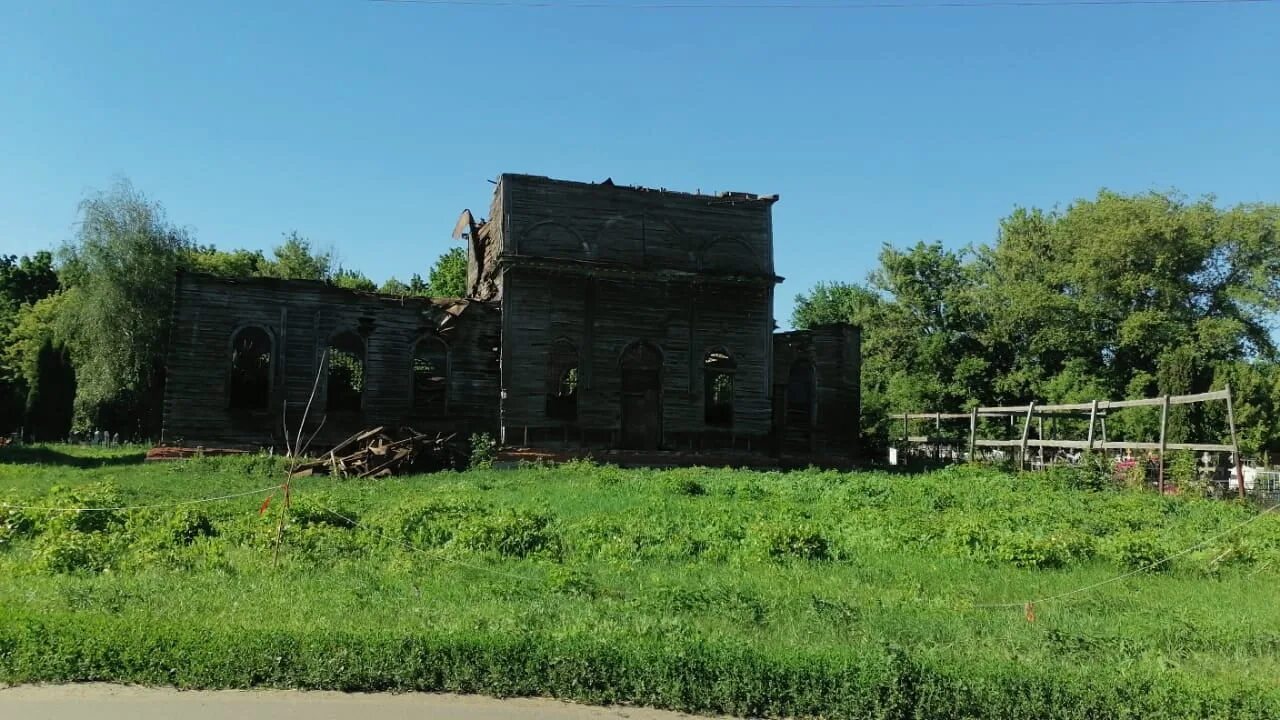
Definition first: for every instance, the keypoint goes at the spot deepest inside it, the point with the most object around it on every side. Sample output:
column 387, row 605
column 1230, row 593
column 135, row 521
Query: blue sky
column 368, row 126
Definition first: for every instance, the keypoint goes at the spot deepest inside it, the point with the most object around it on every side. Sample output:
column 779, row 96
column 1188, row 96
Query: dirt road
column 116, row 702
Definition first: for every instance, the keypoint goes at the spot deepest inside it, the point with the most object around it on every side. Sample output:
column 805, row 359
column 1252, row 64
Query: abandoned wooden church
column 597, row 317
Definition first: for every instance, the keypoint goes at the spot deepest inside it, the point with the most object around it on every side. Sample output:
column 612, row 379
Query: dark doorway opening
column 801, row 408
column 250, row 386
column 641, row 397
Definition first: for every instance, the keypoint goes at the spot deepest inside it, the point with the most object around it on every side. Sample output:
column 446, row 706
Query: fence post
column 1093, row 417
column 1026, row 430
column 1231, row 422
column 1164, row 434
column 937, row 437
column 973, row 434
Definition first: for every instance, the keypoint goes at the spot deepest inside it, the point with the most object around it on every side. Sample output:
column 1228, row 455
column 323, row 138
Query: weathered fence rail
column 944, row 446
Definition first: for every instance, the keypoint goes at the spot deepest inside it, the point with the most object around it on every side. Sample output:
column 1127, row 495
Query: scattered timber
column 375, row 453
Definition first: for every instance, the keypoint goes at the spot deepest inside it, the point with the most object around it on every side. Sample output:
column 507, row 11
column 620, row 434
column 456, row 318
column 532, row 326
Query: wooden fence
column 1096, row 438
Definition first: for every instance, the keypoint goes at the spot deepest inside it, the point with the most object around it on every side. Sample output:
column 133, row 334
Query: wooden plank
column 1080, row 444
column 1199, row 397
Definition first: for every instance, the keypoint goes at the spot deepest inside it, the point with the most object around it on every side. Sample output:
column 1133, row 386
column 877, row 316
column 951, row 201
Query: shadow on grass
column 28, row 455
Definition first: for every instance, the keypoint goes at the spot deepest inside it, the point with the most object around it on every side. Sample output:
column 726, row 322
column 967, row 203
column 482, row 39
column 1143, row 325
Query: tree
column 353, row 280
column 448, row 277
column 295, row 260
column 23, row 282
column 228, row 264
column 416, row 287
column 120, row 272
column 1115, row 296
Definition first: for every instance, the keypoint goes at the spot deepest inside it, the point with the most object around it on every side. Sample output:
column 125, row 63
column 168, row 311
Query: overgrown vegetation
column 1117, row 296
column 83, row 332
column 800, row 594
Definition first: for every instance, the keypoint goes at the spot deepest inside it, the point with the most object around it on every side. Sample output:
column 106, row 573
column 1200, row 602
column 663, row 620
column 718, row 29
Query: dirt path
column 120, row 702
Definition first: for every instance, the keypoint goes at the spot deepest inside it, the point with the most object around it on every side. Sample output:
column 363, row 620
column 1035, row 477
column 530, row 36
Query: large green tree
column 23, row 282
column 120, row 272
column 1114, row 296
column 448, row 277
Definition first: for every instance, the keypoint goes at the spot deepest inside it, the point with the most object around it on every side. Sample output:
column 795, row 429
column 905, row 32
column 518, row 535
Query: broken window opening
column 718, row 371
column 430, row 375
column 801, row 386
column 345, row 384
column 562, row 381
column 250, row 384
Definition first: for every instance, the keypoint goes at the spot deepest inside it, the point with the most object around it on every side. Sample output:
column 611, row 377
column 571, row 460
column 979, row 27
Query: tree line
column 1117, row 296
column 84, row 329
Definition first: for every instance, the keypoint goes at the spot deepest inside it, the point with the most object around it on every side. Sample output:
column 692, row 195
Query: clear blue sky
column 368, row 126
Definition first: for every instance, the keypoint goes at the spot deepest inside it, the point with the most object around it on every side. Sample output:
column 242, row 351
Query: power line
column 121, row 508
column 809, row 5
column 1131, row 573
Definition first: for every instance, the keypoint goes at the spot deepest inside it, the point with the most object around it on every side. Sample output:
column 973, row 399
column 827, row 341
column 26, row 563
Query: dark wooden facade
column 817, row 390
column 300, row 318
column 599, row 316
column 612, row 271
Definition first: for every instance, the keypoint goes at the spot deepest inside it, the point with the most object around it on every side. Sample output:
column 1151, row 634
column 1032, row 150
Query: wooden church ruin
column 596, row 317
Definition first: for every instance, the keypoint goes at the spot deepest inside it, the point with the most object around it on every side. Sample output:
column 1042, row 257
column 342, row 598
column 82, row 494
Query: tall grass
column 808, row 593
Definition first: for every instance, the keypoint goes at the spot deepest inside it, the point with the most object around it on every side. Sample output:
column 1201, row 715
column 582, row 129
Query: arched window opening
column 345, row 385
column 801, row 386
column 562, row 381
column 430, row 375
column 717, row 390
column 250, row 369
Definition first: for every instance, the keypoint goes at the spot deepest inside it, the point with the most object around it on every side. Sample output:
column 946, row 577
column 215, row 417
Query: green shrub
column 431, row 523
column 514, row 533
column 1138, row 550
column 322, row 509
column 685, row 485
column 483, row 450
column 95, row 495
column 793, row 541
column 68, row 551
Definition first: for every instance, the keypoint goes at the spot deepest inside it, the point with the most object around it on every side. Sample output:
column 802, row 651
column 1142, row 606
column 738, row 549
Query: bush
column 483, row 450
column 431, row 523
column 800, row 541
column 514, row 533
column 67, row 551
column 1138, row 550
column 322, row 510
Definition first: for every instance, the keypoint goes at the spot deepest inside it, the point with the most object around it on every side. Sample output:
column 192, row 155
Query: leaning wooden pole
column 973, row 434
column 1235, row 443
column 1093, row 418
column 1164, row 435
column 1026, row 431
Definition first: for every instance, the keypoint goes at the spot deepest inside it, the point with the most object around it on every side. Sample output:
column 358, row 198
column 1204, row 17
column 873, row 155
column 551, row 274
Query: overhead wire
column 810, row 5
column 1131, row 573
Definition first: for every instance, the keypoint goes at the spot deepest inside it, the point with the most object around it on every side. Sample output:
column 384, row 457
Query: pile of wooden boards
column 375, row 453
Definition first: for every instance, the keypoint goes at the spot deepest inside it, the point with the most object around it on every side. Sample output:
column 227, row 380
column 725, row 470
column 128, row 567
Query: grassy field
column 779, row 594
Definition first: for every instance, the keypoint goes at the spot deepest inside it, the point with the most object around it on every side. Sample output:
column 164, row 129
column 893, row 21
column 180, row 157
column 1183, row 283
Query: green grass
column 797, row 594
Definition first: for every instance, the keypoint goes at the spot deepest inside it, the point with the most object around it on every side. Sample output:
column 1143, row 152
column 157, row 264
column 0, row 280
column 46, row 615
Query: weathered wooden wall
column 301, row 317
column 835, row 352
column 604, row 267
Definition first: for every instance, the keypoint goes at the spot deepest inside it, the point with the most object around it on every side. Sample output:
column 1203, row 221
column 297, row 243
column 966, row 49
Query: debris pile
column 374, row 453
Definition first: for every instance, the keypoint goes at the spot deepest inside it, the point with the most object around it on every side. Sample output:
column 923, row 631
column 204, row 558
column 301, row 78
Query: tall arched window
column 718, row 369
column 430, row 375
column 345, row 386
column 250, row 385
column 562, row 381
